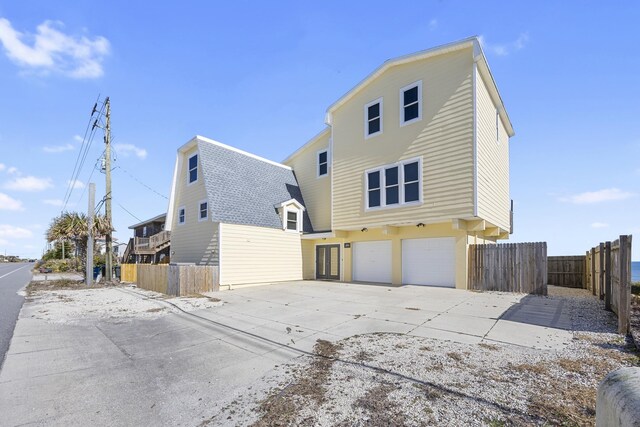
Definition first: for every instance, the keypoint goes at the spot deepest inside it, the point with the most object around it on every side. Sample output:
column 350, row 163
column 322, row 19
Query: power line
column 84, row 150
column 141, row 183
column 125, row 209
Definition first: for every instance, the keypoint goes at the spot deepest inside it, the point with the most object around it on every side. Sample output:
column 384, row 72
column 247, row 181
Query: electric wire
column 141, row 183
column 82, row 155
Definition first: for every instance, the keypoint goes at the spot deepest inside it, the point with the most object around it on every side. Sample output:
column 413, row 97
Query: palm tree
column 74, row 226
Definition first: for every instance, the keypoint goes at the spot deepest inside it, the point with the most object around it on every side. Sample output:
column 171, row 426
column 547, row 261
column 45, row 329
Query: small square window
column 323, row 163
column 203, row 211
column 193, row 168
column 292, row 221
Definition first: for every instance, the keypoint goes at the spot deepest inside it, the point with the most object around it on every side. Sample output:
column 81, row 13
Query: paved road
column 13, row 276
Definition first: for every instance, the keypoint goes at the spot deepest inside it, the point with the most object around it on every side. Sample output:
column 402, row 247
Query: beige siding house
column 412, row 167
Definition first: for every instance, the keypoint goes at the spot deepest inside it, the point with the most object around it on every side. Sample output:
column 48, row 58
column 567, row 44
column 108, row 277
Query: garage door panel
column 372, row 261
column 429, row 262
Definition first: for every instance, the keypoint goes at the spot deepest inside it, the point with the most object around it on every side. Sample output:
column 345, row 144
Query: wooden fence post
column 601, row 275
column 625, row 285
column 607, row 277
column 593, row 271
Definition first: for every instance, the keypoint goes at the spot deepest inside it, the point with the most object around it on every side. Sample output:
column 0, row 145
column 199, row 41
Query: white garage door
column 372, row 261
column 429, row 262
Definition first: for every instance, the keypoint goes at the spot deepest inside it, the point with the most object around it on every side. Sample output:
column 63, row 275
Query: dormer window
column 373, row 118
column 411, row 103
column 193, row 168
column 291, row 214
column 292, row 220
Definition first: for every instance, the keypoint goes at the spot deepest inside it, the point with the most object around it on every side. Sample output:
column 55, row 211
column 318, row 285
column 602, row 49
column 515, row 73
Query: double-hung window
column 182, row 215
column 292, row 220
column 411, row 103
column 373, row 118
column 323, row 163
column 193, row 168
column 203, row 210
column 392, row 185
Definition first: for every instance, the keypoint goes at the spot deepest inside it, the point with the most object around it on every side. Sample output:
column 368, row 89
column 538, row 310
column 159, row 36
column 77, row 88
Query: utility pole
column 92, row 206
column 107, row 203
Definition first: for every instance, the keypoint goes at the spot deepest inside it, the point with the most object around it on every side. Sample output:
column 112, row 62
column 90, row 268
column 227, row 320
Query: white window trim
column 285, row 221
column 402, row 91
column 185, row 215
column 326, row 150
column 401, row 183
column 206, row 217
column 189, row 170
column 368, row 135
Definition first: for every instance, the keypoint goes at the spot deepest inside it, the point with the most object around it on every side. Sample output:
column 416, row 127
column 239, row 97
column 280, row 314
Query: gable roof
column 479, row 58
column 243, row 188
column 158, row 218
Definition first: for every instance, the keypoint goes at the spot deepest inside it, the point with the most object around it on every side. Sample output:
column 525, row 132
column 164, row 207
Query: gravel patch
column 394, row 379
column 73, row 306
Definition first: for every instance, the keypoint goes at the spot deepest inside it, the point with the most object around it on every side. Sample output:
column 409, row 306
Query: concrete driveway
column 180, row 369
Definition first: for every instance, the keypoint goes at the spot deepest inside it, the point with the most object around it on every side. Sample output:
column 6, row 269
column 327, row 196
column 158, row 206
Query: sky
column 260, row 75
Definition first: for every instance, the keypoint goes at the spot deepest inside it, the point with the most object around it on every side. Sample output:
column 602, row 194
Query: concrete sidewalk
column 180, row 369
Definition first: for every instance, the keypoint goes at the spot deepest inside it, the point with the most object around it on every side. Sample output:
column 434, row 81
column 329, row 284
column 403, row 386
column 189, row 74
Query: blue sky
column 260, row 77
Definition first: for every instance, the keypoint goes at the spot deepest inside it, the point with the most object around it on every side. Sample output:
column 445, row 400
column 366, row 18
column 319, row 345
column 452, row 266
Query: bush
column 635, row 288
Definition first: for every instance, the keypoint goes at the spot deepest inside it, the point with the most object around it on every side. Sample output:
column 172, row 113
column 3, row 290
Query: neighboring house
column 150, row 244
column 412, row 167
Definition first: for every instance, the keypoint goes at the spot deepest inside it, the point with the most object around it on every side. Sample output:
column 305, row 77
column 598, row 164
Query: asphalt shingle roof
column 244, row 190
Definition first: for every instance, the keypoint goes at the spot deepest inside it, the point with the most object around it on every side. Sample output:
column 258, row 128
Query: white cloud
column 77, row 138
column 10, row 232
column 53, row 202
column 606, row 195
column 504, row 49
column 599, row 225
column 52, row 50
column 128, row 149
column 12, row 170
column 58, row 148
column 433, row 24
column 9, row 204
column 29, row 183
column 75, row 184
column 2, row 167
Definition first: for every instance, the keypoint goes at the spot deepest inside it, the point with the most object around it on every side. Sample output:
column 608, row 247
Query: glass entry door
column 328, row 262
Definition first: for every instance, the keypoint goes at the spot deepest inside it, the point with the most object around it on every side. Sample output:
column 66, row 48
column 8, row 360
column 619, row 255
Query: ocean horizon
column 635, row 271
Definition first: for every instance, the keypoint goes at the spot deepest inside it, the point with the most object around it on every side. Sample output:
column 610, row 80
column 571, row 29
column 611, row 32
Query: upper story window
column 203, row 210
column 373, row 118
column 144, row 231
column 182, row 215
column 323, row 163
column 292, row 220
column 394, row 185
column 193, row 168
column 411, row 103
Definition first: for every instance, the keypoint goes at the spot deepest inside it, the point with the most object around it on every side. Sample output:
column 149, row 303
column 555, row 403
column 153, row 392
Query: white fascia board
column 483, row 67
column 306, row 144
column 438, row 50
column 314, row 236
column 172, row 197
column 237, row 150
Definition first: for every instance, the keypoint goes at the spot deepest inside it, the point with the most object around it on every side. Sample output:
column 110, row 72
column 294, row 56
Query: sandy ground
column 109, row 304
column 391, row 379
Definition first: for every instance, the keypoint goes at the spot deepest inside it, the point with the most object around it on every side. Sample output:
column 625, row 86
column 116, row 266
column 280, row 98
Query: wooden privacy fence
column 568, row 271
column 510, row 267
column 612, row 279
column 174, row 279
column 128, row 273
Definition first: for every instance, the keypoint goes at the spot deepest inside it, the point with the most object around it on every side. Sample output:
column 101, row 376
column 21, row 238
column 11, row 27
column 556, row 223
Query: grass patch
column 635, row 288
column 487, row 346
column 281, row 408
column 455, row 356
column 63, row 284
